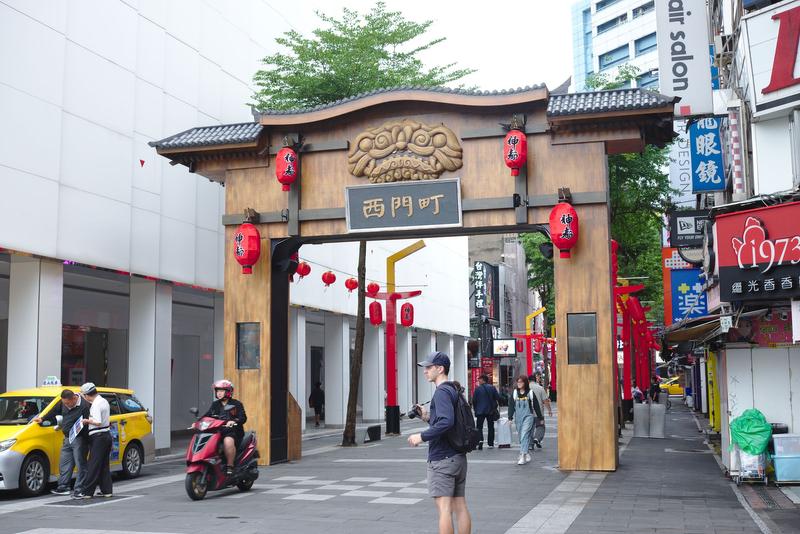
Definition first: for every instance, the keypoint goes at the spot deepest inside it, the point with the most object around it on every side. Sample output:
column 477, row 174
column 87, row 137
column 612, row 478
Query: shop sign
column 708, row 171
column 773, row 36
column 688, row 297
column 680, row 167
column 485, row 278
column 687, row 227
column 683, row 59
column 758, row 253
column 403, row 205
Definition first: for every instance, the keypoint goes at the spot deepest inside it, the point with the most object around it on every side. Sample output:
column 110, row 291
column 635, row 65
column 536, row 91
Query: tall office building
column 607, row 34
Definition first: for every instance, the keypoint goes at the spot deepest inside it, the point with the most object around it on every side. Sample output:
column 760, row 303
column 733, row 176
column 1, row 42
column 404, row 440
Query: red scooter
column 205, row 459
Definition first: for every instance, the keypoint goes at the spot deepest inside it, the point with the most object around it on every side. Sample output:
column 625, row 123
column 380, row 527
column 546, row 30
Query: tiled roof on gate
column 456, row 91
column 605, row 101
column 222, row 134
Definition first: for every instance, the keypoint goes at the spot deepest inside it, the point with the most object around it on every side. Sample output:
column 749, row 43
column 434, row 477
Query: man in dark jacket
column 485, row 402
column 317, row 401
column 74, row 449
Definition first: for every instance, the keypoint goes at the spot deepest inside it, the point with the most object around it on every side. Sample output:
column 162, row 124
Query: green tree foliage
column 540, row 275
column 640, row 195
column 349, row 55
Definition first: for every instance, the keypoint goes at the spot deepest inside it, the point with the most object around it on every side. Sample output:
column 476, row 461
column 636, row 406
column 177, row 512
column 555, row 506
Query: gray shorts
column 448, row 477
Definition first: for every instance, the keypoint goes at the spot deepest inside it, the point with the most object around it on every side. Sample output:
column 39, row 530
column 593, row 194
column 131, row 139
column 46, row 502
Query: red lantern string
column 372, row 289
column 303, row 269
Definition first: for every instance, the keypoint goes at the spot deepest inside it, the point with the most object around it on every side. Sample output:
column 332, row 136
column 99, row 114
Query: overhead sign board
column 485, row 281
column 403, row 205
column 758, row 252
column 687, row 227
column 705, row 145
column 770, row 39
column 684, row 67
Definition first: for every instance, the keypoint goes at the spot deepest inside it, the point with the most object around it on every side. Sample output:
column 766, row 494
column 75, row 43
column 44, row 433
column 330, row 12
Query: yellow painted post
column 397, row 256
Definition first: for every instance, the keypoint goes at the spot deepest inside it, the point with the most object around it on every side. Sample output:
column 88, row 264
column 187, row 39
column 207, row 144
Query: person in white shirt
column 99, row 472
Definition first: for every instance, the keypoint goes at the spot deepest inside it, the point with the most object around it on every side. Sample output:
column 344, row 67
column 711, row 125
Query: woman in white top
column 99, row 471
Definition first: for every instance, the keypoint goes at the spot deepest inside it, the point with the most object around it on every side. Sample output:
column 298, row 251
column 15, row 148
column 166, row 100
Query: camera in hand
column 414, row 412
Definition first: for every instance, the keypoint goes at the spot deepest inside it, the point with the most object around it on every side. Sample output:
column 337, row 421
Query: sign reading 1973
column 403, row 205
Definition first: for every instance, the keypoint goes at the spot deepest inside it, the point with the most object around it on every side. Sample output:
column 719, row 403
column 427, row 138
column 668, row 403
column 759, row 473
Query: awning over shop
column 701, row 329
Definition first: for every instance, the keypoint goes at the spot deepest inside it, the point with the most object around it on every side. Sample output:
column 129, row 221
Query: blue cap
column 436, row 358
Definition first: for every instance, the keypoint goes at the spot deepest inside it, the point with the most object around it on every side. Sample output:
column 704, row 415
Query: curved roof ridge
column 436, row 89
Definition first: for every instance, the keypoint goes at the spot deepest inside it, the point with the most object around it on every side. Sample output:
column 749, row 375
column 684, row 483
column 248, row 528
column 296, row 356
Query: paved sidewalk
column 670, row 485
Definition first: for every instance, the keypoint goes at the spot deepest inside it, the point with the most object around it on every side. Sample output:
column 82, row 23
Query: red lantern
column 303, row 269
column 247, row 247
column 351, row 284
column 286, row 167
column 537, row 345
column 407, row 314
column 375, row 313
column 520, row 346
column 564, row 228
column 515, row 151
column 328, row 278
column 372, row 289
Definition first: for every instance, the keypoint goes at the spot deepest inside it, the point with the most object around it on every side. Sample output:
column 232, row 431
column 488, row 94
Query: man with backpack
column 486, row 400
column 447, row 465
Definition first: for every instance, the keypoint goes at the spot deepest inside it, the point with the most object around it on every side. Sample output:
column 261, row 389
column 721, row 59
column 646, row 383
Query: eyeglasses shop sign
column 684, row 64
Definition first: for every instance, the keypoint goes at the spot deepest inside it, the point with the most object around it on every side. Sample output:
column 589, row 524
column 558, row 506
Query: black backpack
column 463, row 436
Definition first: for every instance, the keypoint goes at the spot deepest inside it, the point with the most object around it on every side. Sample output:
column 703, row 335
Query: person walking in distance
column 544, row 402
column 485, row 402
column 72, row 409
column 99, row 472
column 524, row 405
column 317, row 401
column 447, row 468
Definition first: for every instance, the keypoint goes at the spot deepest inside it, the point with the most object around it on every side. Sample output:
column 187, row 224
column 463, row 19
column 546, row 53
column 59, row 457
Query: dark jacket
column 217, row 409
column 70, row 416
column 441, row 420
column 317, row 398
column 533, row 402
column 485, row 399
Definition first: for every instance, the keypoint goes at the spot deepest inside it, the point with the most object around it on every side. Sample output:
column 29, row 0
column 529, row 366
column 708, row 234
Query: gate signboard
column 406, row 205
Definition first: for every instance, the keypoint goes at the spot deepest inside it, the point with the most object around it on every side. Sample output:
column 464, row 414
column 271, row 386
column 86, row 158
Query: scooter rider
column 226, row 407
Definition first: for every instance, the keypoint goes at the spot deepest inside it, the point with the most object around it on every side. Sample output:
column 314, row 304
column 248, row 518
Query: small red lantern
column 247, row 247
column 515, row 151
column 372, row 289
column 286, row 167
column 520, row 346
column 351, row 284
column 328, row 278
column 564, row 228
column 303, row 269
column 375, row 313
column 407, row 314
column 537, row 345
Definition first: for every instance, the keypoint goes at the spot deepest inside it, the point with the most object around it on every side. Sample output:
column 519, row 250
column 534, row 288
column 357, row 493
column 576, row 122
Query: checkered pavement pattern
column 375, row 490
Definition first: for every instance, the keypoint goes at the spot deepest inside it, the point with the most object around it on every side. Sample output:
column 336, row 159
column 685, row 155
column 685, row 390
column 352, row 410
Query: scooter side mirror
column 194, row 411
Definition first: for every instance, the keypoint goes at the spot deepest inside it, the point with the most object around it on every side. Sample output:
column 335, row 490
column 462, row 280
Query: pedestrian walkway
column 666, row 485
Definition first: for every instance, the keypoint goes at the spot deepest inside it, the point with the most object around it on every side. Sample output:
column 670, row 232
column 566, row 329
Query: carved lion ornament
column 404, row 150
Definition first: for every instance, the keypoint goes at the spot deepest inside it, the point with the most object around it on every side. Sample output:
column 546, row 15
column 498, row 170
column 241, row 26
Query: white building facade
column 610, row 33
column 111, row 260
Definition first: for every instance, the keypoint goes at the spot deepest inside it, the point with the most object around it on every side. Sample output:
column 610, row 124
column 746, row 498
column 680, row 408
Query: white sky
column 511, row 44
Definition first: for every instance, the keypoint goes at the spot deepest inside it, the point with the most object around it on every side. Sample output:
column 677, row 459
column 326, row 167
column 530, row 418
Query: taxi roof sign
column 51, row 380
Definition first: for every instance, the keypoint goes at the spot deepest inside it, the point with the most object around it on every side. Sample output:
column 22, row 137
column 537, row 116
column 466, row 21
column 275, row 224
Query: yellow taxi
column 29, row 451
column 671, row 386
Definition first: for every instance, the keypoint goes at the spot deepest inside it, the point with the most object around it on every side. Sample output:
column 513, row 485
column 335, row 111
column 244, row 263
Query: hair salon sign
column 759, row 253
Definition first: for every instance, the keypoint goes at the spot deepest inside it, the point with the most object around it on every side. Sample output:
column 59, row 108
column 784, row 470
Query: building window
column 613, row 23
column 645, row 44
column 602, row 4
column 614, row 57
column 248, row 345
column 648, row 80
column 643, row 9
